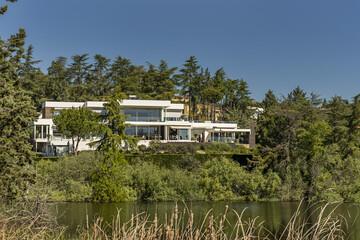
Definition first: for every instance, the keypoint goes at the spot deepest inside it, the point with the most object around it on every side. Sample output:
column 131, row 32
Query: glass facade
column 178, row 134
column 41, row 131
column 145, row 132
column 131, row 113
column 143, row 115
column 130, row 131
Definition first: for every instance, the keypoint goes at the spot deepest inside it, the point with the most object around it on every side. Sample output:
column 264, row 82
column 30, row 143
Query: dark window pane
column 142, row 115
column 183, row 134
column 143, row 132
column 130, row 131
column 155, row 133
column 132, row 113
column 155, row 115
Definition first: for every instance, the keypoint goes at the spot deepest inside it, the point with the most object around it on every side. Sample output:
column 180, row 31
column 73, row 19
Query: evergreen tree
column 354, row 128
column 126, row 76
column 16, row 114
column 4, row 8
column 269, row 100
column 57, row 88
column 108, row 179
column 159, row 82
column 188, row 79
column 98, row 82
column 79, row 76
column 33, row 80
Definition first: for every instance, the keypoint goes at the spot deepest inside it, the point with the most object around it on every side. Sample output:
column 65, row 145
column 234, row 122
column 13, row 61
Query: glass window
column 38, row 131
column 143, row 132
column 183, row 134
column 142, row 115
column 155, row 133
column 173, row 134
column 54, row 113
column 196, row 134
column 56, row 133
column 155, row 115
column 132, row 113
column 243, row 138
column 130, row 131
column 216, row 137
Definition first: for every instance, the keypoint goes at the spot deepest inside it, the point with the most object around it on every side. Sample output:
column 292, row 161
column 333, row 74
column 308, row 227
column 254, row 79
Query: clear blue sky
column 271, row 44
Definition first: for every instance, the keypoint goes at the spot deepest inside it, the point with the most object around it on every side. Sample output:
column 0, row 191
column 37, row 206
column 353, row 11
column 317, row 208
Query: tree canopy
column 76, row 123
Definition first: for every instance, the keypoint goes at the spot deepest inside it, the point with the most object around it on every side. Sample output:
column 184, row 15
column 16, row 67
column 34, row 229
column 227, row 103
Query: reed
column 28, row 220
column 180, row 225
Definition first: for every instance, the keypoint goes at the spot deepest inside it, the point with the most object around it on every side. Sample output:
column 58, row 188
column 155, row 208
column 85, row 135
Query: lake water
column 274, row 214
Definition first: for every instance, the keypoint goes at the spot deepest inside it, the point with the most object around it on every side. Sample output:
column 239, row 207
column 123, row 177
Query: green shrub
column 216, row 147
column 220, row 177
column 189, row 162
column 67, row 179
column 152, row 183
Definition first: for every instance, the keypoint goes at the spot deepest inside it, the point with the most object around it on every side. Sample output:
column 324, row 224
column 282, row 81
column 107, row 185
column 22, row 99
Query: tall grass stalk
column 180, row 225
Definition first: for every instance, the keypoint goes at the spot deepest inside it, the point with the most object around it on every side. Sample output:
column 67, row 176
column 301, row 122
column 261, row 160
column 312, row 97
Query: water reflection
column 274, row 214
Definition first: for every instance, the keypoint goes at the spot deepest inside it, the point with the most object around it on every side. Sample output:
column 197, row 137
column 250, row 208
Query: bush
column 189, row 163
column 152, row 183
column 220, row 179
column 68, row 178
column 216, row 147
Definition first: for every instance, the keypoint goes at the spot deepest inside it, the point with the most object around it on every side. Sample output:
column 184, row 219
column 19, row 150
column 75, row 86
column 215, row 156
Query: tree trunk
column 73, row 144
column 77, row 146
column 189, row 107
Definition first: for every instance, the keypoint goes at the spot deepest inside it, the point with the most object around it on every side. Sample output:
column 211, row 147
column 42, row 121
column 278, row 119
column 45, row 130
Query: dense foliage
column 76, row 123
column 313, row 145
column 213, row 178
column 16, row 114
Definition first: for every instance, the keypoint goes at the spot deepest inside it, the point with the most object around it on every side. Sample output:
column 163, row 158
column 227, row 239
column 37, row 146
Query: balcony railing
column 176, row 119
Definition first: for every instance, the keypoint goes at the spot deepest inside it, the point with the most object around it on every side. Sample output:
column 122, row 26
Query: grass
column 180, row 226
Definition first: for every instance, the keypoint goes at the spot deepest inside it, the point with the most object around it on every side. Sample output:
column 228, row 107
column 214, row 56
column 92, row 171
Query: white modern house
column 148, row 120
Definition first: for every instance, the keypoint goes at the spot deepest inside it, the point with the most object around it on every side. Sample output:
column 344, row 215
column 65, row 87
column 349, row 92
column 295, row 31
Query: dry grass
column 180, row 226
column 25, row 220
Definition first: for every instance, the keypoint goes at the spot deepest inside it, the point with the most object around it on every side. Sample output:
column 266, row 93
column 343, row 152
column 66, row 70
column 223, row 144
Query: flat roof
column 62, row 104
column 124, row 103
column 94, row 104
column 144, row 103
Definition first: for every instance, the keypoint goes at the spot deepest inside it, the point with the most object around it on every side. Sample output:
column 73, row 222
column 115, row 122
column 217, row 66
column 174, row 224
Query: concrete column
column 252, row 137
column 189, row 134
column 166, row 137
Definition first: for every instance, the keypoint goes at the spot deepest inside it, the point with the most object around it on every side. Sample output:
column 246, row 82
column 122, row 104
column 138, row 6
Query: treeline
column 312, row 144
column 83, row 78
